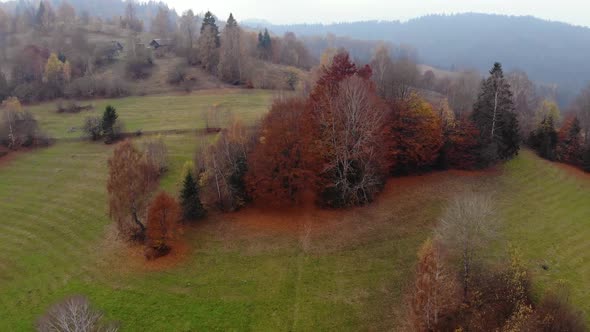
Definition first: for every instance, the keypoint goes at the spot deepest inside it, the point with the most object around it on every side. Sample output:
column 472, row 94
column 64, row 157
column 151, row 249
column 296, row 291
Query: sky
column 329, row 11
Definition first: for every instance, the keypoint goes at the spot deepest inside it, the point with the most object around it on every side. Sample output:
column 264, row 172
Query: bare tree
column 189, row 30
column 467, row 226
column 352, row 136
column 74, row 314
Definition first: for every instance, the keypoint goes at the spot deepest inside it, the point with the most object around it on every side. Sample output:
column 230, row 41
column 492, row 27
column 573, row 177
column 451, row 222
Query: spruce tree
column 231, row 21
column 109, row 119
column 190, row 200
column 493, row 114
column 209, row 21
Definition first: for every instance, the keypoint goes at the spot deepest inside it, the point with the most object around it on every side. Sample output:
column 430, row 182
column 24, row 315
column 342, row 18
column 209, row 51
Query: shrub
column 74, row 314
column 555, row 313
column 92, row 128
column 177, row 75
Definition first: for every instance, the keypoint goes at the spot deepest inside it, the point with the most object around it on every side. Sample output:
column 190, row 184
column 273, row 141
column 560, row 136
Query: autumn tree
column 223, row 168
column 544, row 139
column 415, row 135
column 382, row 66
column 460, row 150
column 129, row 187
column 282, row 165
column 525, row 100
column 582, row 108
column 66, row 13
column 494, row 116
column 350, row 120
column 163, row 215
column 190, row 198
column 547, row 108
column 230, row 52
column 467, row 226
column 569, row 145
column 18, row 128
column 209, row 43
column 188, row 30
column 435, row 291
column 130, row 20
column 161, row 25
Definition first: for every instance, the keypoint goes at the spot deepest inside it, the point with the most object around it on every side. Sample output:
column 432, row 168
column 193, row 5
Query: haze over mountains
column 550, row 52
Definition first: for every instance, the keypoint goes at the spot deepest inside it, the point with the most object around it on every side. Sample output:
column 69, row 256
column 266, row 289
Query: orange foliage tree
column 163, row 216
column 415, row 135
column 129, row 186
column 282, row 165
column 435, row 290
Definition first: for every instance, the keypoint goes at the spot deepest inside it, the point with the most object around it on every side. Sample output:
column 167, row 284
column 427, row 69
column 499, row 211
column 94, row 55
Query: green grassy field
column 159, row 112
column 253, row 270
column 546, row 210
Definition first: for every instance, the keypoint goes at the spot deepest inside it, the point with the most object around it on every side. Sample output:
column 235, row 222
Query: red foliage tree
column 461, row 146
column 163, row 216
column 415, row 135
column 569, row 142
column 282, row 165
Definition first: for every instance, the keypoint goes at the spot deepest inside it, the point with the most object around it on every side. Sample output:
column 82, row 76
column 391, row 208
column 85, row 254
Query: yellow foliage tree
column 11, row 111
column 54, row 69
column 548, row 109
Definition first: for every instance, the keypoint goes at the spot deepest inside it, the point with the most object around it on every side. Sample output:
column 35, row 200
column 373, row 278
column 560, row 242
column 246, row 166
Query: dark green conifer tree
column 190, row 200
column 209, row 20
column 493, row 114
column 109, row 119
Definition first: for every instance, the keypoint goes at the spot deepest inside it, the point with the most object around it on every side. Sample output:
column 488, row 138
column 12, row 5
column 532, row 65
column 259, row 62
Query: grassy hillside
column 546, row 209
column 299, row 270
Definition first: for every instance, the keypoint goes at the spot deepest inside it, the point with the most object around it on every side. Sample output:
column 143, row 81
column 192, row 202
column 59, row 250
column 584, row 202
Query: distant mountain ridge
column 550, row 52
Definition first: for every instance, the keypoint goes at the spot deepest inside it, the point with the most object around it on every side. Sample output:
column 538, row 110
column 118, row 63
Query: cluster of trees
column 341, row 142
column 109, row 127
column 133, row 178
column 564, row 140
column 479, row 296
column 235, row 55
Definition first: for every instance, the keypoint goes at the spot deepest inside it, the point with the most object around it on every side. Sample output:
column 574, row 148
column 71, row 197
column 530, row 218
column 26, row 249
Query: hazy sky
column 327, row 11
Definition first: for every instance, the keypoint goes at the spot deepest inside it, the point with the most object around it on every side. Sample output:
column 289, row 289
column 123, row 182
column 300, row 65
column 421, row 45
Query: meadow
column 299, row 270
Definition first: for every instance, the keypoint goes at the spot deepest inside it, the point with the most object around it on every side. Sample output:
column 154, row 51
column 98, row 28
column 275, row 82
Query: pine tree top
column 231, row 21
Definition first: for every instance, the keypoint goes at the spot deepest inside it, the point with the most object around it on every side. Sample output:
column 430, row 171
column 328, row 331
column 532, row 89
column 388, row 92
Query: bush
column 74, row 314
column 555, row 313
column 138, row 67
column 92, row 128
column 177, row 75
